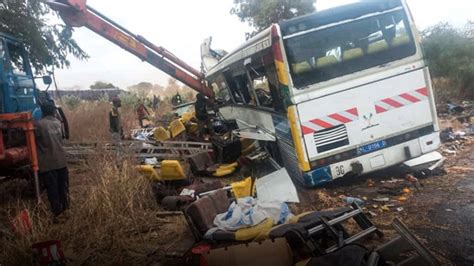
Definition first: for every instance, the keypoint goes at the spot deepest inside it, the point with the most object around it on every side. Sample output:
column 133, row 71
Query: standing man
column 142, row 113
column 200, row 107
column 115, row 122
column 52, row 159
column 155, row 103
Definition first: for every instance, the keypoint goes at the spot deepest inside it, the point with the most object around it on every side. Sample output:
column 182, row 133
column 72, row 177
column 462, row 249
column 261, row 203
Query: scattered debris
column 381, row 199
column 351, row 200
column 277, row 186
column 402, row 198
column 48, row 253
column 22, row 224
column 392, row 180
column 372, row 214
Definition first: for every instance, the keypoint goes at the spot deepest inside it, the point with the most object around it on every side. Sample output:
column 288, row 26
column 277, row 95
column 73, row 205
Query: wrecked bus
column 344, row 91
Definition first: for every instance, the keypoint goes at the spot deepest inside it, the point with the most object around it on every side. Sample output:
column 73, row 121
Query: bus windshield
column 331, row 52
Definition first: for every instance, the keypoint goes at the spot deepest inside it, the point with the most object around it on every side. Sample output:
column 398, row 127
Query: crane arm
column 76, row 13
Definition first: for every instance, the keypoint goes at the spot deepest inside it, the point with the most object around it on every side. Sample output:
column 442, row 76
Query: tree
column 46, row 44
column 142, row 89
column 450, row 54
column 100, row 85
column 260, row 14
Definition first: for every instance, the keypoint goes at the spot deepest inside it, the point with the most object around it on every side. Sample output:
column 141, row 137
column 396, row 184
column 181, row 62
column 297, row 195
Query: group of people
column 143, row 114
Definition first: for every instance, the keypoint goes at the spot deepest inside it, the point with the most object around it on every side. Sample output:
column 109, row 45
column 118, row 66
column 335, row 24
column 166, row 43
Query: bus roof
column 336, row 14
column 235, row 55
column 313, row 20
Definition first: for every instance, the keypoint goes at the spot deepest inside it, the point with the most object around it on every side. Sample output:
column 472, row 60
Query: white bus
column 344, row 91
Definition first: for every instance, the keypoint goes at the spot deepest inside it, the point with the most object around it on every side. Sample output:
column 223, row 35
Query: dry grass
column 113, row 213
column 113, row 219
column 90, row 121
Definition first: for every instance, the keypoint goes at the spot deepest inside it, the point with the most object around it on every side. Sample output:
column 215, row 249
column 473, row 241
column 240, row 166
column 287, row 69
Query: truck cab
column 18, row 91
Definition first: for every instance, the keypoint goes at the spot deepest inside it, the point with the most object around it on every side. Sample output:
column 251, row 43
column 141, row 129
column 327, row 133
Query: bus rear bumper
column 373, row 161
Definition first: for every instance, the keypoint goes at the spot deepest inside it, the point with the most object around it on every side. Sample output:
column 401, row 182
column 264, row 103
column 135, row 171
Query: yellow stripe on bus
column 282, row 74
column 296, row 134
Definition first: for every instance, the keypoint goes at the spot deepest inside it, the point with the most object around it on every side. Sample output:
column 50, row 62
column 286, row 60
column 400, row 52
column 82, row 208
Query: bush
column 129, row 99
column 71, row 101
column 449, row 52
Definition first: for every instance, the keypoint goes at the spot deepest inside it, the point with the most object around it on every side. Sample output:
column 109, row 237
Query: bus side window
column 273, row 86
column 239, row 87
column 244, row 88
column 221, row 91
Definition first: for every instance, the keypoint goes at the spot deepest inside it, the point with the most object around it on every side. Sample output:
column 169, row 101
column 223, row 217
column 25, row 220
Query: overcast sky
column 181, row 25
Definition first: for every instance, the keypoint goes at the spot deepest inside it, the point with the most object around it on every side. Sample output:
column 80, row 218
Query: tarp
column 246, row 212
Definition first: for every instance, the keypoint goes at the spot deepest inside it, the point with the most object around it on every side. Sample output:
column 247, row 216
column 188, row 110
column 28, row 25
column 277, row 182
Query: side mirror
column 47, row 80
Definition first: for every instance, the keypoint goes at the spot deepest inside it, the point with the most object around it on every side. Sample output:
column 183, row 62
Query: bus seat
column 176, row 128
column 161, row 134
column 301, row 67
column 377, row 47
column 400, row 40
column 352, row 54
column 326, row 61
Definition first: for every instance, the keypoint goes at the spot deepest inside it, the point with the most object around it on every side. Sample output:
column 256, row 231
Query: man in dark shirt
column 115, row 123
column 200, row 107
column 52, row 159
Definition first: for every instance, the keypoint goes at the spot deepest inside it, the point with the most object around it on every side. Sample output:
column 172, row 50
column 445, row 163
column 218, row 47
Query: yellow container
column 161, row 134
column 171, row 170
column 176, row 128
column 149, row 172
column 228, row 166
column 243, row 188
column 223, row 172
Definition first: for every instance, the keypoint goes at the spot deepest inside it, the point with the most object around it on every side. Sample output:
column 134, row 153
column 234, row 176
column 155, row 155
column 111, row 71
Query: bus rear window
column 333, row 52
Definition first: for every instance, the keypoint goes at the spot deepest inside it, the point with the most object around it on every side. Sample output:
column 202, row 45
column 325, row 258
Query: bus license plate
column 372, row 147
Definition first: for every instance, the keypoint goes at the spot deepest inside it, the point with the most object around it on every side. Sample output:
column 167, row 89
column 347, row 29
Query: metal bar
column 115, row 24
column 419, row 247
column 335, row 221
column 354, row 238
column 226, row 188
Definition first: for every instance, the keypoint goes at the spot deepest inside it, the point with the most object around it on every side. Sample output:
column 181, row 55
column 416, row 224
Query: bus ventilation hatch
column 331, row 138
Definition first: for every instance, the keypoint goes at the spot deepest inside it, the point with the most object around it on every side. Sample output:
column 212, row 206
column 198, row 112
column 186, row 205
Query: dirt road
column 451, row 228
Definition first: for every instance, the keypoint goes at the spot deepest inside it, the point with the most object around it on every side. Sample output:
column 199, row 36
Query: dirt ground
column 440, row 214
